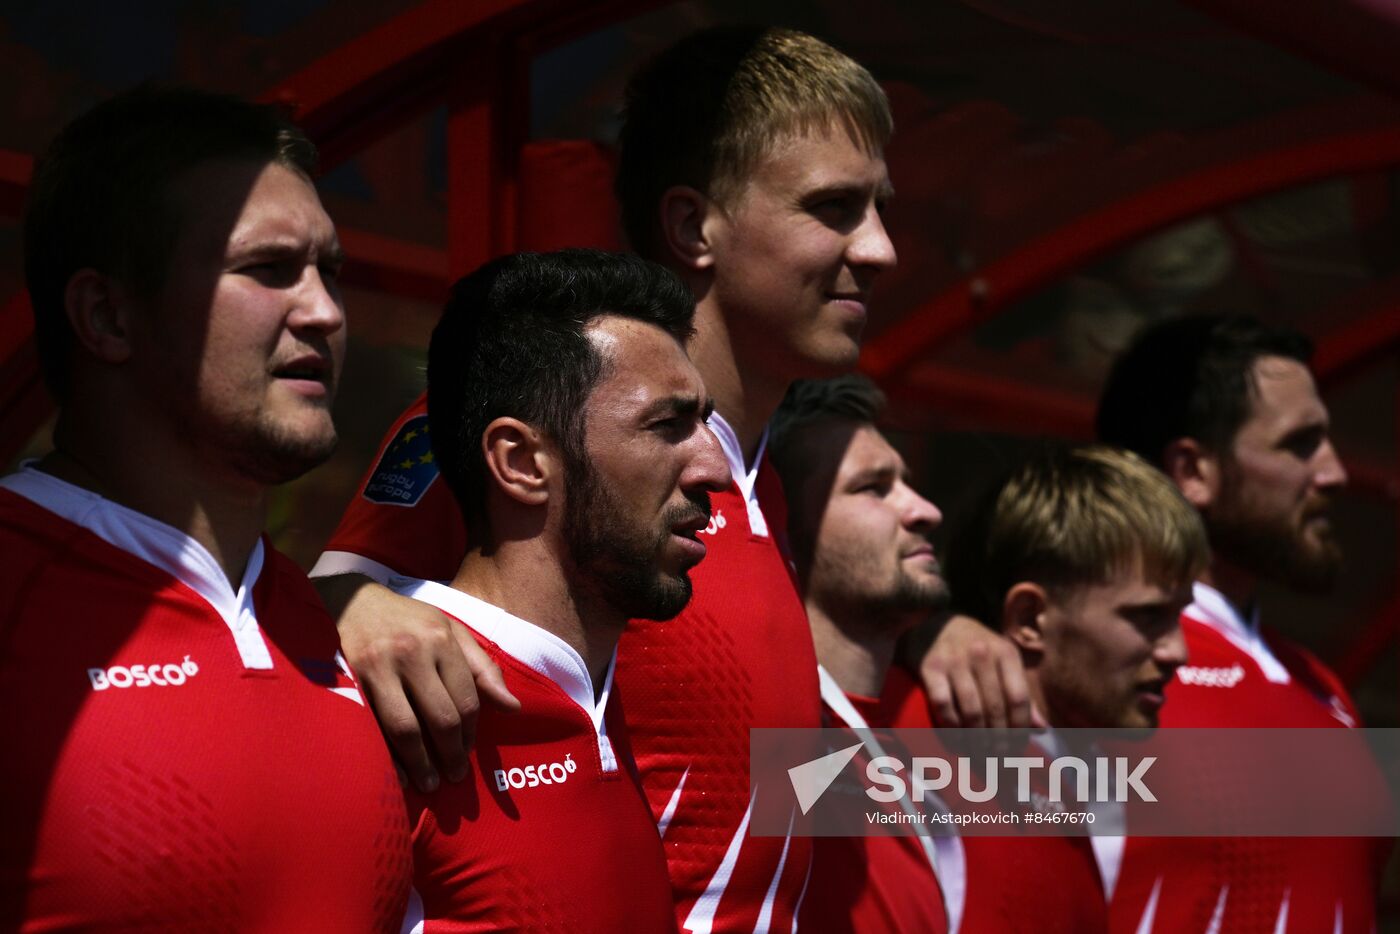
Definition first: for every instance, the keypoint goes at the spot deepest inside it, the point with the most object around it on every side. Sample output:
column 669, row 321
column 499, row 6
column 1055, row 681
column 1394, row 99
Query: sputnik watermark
column 1115, row 780
column 1109, row 779
column 1166, row 782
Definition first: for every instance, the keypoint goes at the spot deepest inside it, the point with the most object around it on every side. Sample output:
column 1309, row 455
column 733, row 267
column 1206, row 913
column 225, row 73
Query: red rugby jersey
column 1238, row 677
column 877, row 884
column 739, row 656
column 550, row 831
column 1042, row 884
column 181, row 756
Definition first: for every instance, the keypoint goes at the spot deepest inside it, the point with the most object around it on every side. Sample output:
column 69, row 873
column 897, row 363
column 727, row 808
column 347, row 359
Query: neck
column 1237, row 585
column 526, row 579
column 747, row 397
column 857, row 657
column 1037, row 695
column 160, row 478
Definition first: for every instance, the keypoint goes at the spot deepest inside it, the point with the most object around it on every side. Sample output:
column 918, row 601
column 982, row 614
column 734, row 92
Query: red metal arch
column 1250, row 169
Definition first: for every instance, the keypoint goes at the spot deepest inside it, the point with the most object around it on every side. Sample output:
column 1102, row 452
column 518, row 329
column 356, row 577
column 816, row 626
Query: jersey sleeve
column 403, row 518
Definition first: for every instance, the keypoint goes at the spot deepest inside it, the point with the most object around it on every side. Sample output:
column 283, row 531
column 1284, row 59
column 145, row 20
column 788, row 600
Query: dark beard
column 1273, row 549
column 619, row 560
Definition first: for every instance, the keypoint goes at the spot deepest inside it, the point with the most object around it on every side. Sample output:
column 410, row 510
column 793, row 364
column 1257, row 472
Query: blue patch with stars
column 407, row 468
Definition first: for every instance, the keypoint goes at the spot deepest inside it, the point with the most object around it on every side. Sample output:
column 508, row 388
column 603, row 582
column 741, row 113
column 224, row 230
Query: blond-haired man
column 752, row 165
column 1083, row 558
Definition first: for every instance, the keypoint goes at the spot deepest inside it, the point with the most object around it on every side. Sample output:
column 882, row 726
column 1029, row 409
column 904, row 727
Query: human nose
column 318, row 304
column 708, row 468
column 870, row 243
column 918, row 513
column 1170, row 650
column 1329, row 473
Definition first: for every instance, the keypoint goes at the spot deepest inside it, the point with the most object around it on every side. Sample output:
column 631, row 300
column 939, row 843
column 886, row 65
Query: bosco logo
column 142, row 676
column 717, row 522
column 546, row 773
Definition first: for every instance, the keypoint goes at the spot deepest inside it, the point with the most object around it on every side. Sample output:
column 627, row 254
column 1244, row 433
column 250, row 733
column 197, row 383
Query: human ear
column 517, row 461
column 1194, row 470
column 98, row 311
column 683, row 214
column 1023, row 617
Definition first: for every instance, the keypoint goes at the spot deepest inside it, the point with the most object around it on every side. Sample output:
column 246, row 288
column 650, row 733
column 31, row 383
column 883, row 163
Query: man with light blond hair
column 752, row 165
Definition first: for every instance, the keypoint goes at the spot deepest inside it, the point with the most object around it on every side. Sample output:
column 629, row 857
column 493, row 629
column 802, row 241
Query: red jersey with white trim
column 871, row 884
column 550, row 830
column 1041, row 884
column 179, row 756
column 1238, row 677
column 739, row 656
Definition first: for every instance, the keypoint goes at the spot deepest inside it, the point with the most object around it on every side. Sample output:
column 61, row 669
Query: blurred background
column 1066, row 172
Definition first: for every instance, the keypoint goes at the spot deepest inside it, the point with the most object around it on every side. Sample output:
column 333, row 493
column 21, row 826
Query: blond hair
column 708, row 109
column 1070, row 517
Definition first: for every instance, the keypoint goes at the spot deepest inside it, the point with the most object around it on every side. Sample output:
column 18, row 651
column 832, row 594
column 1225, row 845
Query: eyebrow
column 287, row 249
column 884, row 191
column 885, row 472
column 679, row 405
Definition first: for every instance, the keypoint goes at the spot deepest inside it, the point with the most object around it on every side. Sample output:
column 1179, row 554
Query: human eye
column 272, row 271
column 1304, row 444
column 834, row 210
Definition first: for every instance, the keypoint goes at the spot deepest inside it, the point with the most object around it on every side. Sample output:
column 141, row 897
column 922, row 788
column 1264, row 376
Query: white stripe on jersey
column 1218, row 918
column 1149, row 913
column 765, row 917
column 701, row 919
column 671, row 805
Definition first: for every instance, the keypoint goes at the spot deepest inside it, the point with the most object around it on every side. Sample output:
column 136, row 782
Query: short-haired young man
column 1083, row 558
column 859, row 537
column 185, row 746
column 752, row 166
column 570, row 426
column 1228, row 409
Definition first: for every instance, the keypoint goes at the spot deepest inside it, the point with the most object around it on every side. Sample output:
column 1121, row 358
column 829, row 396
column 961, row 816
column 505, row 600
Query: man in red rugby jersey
column 752, row 165
column 1228, row 408
column 570, row 426
column 186, row 748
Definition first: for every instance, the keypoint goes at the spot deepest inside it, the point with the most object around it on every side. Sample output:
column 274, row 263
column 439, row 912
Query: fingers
column 417, row 680
column 975, row 678
column 490, row 683
column 940, row 693
column 399, row 724
column 1015, row 692
column 468, row 675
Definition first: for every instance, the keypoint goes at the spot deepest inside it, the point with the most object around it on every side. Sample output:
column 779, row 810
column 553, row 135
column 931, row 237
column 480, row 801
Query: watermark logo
column 1074, row 779
column 810, row 780
column 1220, row 782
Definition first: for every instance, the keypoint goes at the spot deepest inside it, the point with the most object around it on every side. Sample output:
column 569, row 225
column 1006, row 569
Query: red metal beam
column 965, row 399
column 1364, row 338
column 368, row 87
column 15, row 170
column 1052, row 252
column 394, row 266
column 975, row 400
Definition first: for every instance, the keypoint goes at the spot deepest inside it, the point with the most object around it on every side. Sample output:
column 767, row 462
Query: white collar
column 944, row 853
column 532, row 646
column 1210, row 607
column 745, row 476
column 158, row 544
